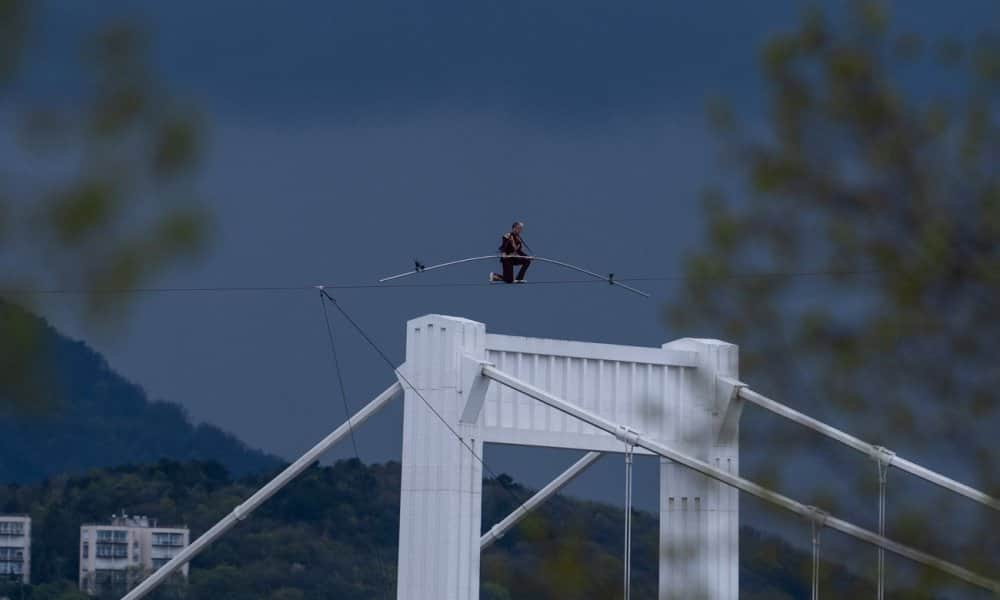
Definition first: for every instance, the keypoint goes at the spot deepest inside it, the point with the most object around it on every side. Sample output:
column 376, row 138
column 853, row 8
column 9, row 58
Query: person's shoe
column 520, row 281
column 495, row 278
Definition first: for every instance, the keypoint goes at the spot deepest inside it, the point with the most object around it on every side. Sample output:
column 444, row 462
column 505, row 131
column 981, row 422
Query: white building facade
column 15, row 548
column 116, row 556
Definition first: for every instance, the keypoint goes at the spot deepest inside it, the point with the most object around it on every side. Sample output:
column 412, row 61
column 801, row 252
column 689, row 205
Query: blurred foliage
column 859, row 268
column 317, row 538
column 97, row 193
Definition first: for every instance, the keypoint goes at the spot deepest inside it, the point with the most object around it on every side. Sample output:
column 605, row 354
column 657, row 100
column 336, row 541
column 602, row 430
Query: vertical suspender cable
column 883, row 459
column 815, row 562
column 628, row 521
column 818, row 521
column 881, row 531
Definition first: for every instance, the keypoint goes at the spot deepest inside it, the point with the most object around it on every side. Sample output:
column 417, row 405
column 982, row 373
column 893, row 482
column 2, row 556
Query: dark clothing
column 512, row 249
column 508, row 268
column 511, row 243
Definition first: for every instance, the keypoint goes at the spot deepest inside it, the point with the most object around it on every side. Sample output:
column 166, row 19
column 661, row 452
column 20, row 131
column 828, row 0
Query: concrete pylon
column 441, row 487
column 699, row 517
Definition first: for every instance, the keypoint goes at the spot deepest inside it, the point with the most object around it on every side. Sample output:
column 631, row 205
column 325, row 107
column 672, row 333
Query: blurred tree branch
column 98, row 192
column 876, row 163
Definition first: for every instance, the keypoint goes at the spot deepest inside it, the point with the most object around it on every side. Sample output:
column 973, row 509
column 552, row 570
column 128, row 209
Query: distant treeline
column 333, row 534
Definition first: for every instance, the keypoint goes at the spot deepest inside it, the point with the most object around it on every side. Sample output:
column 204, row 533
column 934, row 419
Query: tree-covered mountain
column 333, row 534
column 64, row 410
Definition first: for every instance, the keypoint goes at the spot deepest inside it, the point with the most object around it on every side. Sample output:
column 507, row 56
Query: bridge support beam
column 497, row 531
column 272, row 487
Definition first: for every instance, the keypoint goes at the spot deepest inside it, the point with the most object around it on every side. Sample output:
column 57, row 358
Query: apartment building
column 15, row 548
column 115, row 557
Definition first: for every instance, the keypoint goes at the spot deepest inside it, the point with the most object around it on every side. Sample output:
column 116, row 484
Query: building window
column 86, row 550
column 11, row 554
column 163, row 538
column 108, row 550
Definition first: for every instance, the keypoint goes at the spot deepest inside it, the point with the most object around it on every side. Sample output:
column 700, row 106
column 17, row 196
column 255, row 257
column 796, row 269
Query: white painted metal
column 497, row 531
column 608, row 278
column 628, row 435
column 642, row 387
column 663, row 356
column 668, row 391
column 260, row 496
column 673, row 395
column 440, row 504
column 474, row 386
column 699, row 517
column 868, row 449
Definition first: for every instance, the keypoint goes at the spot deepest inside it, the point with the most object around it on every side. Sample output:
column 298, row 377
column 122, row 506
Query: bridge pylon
column 674, row 394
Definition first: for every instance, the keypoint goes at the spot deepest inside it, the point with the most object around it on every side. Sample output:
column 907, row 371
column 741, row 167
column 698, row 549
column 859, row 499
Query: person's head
column 517, row 227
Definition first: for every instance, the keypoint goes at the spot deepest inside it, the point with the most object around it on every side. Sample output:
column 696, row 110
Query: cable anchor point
column 818, row 516
column 883, row 458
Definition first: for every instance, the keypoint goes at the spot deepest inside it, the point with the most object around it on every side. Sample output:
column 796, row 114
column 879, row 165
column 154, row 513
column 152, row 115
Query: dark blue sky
column 348, row 138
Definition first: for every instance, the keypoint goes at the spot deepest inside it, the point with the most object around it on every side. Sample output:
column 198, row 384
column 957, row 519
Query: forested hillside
column 333, row 533
column 66, row 411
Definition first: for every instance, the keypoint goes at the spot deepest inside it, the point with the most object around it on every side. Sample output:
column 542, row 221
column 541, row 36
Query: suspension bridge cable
column 817, row 521
column 883, row 461
column 354, row 443
column 628, row 522
column 434, row 411
column 815, row 562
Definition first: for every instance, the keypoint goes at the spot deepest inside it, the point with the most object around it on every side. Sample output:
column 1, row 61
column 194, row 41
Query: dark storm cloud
column 580, row 59
column 537, row 60
column 561, row 61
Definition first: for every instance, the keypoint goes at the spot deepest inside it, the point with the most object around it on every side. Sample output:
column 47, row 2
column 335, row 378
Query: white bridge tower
column 675, row 395
column 682, row 402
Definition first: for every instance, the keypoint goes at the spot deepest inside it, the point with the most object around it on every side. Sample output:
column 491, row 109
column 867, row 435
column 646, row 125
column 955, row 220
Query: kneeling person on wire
column 512, row 254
